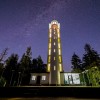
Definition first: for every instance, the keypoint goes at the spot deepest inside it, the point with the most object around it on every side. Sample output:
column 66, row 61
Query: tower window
column 49, row 59
column 54, row 67
column 49, row 52
column 60, row 67
column 58, row 45
column 50, row 40
column 50, row 30
column 33, row 77
column 49, row 45
column 54, row 43
column 58, row 40
column 54, row 28
column 59, row 52
column 54, row 58
column 50, row 35
column 58, row 35
column 59, row 58
column 54, row 37
column 58, row 30
column 54, row 50
column 43, row 77
column 48, row 67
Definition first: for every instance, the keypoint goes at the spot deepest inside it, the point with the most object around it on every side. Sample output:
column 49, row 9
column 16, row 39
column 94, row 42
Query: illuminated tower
column 54, row 59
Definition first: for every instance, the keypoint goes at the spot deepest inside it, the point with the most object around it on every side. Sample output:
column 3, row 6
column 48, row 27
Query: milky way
column 25, row 23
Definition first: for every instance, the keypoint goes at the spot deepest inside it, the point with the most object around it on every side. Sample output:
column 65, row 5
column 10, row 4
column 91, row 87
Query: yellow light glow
column 58, row 45
column 58, row 40
column 49, row 51
column 58, row 35
column 50, row 40
column 54, row 58
column 48, row 68
column 49, row 45
column 58, row 78
column 60, row 67
column 59, row 58
column 58, row 30
column 59, row 52
column 49, row 59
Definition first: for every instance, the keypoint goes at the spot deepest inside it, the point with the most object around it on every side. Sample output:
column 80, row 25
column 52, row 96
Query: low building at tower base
column 66, row 78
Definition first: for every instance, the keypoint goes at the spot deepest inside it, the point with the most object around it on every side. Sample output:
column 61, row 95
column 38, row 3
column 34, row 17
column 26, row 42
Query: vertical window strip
column 49, row 59
column 59, row 58
column 54, row 58
column 60, row 67
column 54, row 50
column 49, row 45
column 54, row 43
column 49, row 51
column 59, row 51
column 58, row 45
column 54, row 67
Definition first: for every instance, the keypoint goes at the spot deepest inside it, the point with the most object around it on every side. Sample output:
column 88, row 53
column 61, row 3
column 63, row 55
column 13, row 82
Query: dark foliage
column 90, row 59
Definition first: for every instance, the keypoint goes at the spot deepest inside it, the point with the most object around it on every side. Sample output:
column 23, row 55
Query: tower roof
column 54, row 22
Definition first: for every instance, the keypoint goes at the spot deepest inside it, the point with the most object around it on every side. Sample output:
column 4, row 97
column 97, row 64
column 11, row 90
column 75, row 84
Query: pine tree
column 10, row 69
column 25, row 65
column 91, row 58
column 76, row 63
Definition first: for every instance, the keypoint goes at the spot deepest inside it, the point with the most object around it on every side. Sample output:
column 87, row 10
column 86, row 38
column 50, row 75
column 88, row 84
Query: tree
column 25, row 61
column 3, row 54
column 91, row 58
column 40, row 63
column 25, row 65
column 10, row 68
column 2, row 61
column 2, row 82
column 38, row 66
column 76, row 63
column 34, row 65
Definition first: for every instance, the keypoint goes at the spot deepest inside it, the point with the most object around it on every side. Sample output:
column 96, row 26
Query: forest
column 16, row 72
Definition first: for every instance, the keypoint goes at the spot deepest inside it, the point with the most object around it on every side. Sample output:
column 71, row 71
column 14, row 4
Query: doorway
column 38, row 80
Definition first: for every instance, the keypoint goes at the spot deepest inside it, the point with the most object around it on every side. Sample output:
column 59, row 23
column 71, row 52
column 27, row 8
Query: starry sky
column 25, row 23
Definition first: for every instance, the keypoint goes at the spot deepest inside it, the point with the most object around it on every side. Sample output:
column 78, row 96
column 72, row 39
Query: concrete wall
column 62, row 78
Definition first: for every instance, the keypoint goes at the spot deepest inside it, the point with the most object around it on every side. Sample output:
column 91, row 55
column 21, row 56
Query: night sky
column 25, row 23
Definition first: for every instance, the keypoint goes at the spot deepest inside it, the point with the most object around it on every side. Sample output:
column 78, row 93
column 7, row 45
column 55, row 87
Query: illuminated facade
column 55, row 74
column 54, row 59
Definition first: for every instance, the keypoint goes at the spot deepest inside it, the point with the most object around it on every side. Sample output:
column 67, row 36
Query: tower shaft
column 54, row 59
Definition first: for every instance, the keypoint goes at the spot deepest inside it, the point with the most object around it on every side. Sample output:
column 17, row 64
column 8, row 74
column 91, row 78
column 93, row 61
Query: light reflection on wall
column 72, row 78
